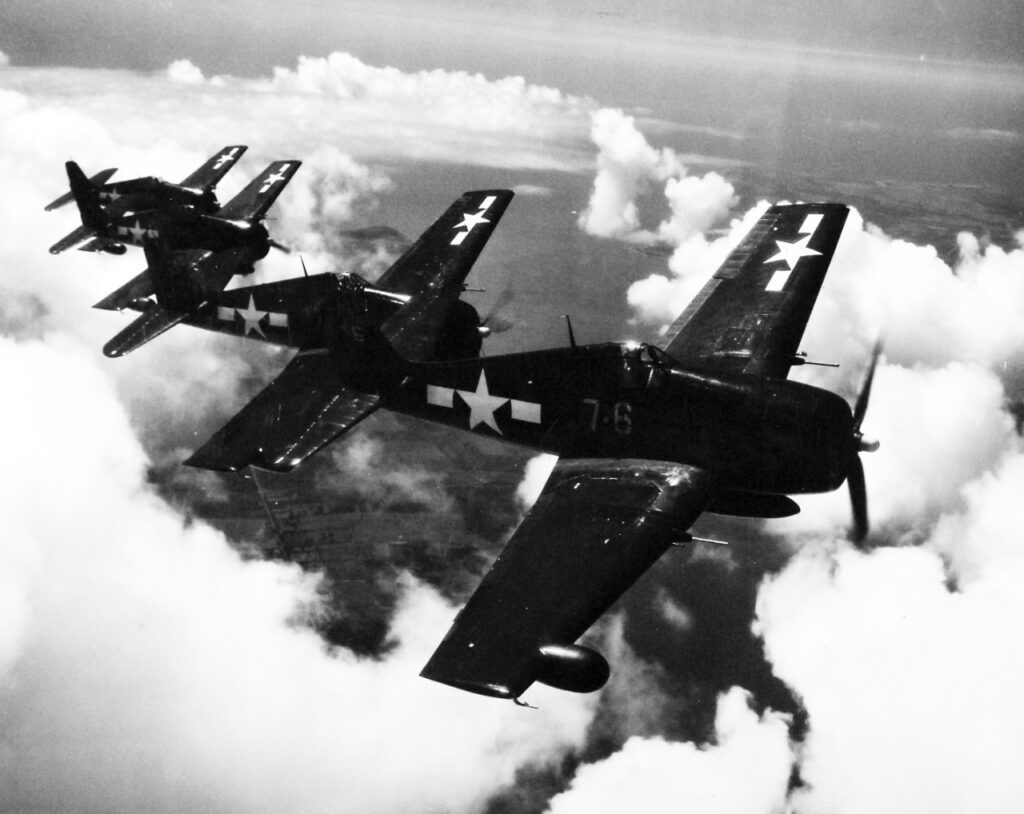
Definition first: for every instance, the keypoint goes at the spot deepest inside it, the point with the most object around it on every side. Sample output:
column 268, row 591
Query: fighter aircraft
column 236, row 224
column 648, row 438
column 139, row 194
column 188, row 289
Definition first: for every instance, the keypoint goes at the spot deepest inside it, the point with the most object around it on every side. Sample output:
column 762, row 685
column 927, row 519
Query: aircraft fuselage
column 621, row 401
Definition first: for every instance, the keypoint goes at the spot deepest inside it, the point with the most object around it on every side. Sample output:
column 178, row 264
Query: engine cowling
column 461, row 337
column 115, row 248
column 572, row 667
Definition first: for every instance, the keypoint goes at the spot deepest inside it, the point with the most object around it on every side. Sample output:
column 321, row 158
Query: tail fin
column 87, row 196
column 99, row 178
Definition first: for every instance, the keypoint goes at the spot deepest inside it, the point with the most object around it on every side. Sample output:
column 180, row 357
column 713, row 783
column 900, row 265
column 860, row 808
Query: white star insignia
column 252, row 317
column 222, row 158
column 792, row 252
column 273, row 178
column 471, row 219
column 482, row 404
column 137, row 231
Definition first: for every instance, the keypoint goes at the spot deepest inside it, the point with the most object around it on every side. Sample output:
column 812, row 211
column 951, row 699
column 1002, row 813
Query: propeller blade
column 280, row 247
column 494, row 321
column 861, row 407
column 858, row 500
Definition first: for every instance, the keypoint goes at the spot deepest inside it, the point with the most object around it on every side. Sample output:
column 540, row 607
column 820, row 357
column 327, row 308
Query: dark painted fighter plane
column 648, row 437
column 139, row 194
column 235, row 225
column 294, row 313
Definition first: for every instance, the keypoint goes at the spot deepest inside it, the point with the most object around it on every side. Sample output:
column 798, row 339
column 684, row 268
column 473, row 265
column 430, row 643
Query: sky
column 148, row 661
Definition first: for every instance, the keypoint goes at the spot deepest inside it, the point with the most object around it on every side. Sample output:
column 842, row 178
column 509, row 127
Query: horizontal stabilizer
column 72, row 239
column 148, row 326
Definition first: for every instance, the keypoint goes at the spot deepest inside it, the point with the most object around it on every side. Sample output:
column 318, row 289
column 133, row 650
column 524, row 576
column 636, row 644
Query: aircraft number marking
column 619, row 415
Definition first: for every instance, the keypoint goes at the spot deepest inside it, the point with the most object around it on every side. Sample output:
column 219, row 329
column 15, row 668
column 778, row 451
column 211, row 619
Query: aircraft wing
column 186, row 278
column 254, row 201
column 72, row 239
column 215, row 168
column 433, row 269
column 150, row 325
column 138, row 288
column 446, row 251
column 596, row 527
column 303, row 409
column 751, row 315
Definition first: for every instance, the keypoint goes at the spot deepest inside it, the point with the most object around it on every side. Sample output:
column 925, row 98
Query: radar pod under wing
column 596, row 527
column 751, row 315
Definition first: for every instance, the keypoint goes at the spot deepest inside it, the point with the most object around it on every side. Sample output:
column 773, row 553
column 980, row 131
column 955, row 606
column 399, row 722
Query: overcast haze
column 148, row 662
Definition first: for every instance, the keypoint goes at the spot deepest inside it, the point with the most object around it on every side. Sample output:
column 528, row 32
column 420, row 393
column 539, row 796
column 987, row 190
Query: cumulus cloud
column 910, row 686
column 747, row 770
column 627, row 166
column 146, row 665
column 184, row 71
column 905, row 658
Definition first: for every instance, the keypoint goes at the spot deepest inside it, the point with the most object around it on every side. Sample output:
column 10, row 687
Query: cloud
column 147, row 665
column 626, row 166
column 746, row 770
column 910, row 687
column 183, row 71
column 538, row 470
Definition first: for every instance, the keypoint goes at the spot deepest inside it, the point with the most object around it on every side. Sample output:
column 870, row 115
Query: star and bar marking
column 252, row 317
column 274, row 177
column 472, row 219
column 223, row 158
column 791, row 253
column 138, row 231
column 482, row 405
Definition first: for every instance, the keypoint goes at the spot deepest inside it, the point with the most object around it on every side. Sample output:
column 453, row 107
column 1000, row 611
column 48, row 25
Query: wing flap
column 596, row 527
column 751, row 315
column 303, row 409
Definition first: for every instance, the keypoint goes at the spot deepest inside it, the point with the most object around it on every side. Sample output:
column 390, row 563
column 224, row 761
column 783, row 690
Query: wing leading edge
column 596, row 527
column 751, row 315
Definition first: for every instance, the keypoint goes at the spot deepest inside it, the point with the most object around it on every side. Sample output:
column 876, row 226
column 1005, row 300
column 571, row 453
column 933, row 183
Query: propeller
column 494, row 322
column 280, row 246
column 855, row 472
